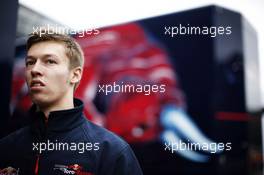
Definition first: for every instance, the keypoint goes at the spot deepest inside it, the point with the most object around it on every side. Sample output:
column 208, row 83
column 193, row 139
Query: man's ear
column 76, row 75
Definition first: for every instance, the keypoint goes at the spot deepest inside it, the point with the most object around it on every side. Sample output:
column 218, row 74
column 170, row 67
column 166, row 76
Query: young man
column 59, row 139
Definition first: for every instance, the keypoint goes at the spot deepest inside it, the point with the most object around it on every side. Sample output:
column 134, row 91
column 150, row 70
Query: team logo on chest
column 71, row 169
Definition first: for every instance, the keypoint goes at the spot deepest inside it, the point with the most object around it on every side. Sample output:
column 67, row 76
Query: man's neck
column 63, row 104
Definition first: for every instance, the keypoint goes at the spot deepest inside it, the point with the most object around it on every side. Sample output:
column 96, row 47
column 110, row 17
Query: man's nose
column 36, row 69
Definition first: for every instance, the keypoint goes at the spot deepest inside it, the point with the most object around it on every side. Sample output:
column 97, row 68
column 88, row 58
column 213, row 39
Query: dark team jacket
column 66, row 144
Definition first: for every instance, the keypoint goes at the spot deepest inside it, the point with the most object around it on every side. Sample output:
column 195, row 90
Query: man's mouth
column 36, row 84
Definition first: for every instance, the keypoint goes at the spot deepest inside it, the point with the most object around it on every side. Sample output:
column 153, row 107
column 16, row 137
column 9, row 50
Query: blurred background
column 213, row 80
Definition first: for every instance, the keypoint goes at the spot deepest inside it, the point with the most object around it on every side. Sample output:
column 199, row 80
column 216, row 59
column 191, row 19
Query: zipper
column 37, row 166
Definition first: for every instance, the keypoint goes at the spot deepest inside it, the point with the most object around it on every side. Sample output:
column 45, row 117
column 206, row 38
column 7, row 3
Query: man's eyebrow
column 49, row 55
column 43, row 56
column 30, row 57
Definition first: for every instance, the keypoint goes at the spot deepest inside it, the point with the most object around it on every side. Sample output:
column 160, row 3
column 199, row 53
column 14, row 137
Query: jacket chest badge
column 71, row 169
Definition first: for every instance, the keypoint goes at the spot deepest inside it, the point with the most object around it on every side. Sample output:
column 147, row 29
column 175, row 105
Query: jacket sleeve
column 6, row 147
column 127, row 163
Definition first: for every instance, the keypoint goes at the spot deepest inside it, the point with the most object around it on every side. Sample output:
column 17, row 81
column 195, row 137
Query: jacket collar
column 58, row 121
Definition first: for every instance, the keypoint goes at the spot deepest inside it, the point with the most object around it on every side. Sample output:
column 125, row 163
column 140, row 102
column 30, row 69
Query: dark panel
column 8, row 19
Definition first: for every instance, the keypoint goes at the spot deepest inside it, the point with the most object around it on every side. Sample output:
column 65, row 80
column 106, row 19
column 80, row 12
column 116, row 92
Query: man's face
column 47, row 73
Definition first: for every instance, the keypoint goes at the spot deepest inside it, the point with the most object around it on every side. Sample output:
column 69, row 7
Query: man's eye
column 51, row 61
column 28, row 63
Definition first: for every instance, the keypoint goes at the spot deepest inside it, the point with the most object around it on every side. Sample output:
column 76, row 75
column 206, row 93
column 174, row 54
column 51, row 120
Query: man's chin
column 40, row 100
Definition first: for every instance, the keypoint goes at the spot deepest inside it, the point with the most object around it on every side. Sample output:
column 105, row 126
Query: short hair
column 72, row 49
